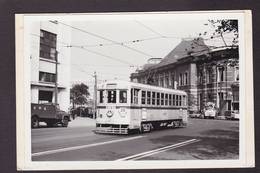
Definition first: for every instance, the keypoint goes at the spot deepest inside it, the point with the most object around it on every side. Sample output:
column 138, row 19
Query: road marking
column 83, row 146
column 159, row 150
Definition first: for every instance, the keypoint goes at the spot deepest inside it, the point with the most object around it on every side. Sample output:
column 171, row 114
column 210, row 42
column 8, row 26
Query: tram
column 124, row 107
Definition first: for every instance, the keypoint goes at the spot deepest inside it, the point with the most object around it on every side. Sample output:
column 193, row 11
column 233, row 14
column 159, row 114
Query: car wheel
column 34, row 122
column 65, row 122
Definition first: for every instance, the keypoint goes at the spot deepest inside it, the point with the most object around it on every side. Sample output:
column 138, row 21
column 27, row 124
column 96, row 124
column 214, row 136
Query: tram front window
column 111, row 96
column 123, row 96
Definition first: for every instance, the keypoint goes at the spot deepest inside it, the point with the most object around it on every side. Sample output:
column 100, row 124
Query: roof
column 184, row 49
column 126, row 84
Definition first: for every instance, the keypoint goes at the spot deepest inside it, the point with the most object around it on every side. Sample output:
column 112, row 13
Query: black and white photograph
column 134, row 90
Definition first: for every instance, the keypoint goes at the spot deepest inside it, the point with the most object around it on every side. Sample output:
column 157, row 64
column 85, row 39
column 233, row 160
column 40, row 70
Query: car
column 210, row 111
column 235, row 115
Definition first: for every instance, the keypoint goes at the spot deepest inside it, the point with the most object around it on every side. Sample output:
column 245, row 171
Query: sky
column 115, row 47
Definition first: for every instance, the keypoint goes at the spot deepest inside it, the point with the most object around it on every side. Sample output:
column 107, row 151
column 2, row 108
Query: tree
column 79, row 94
column 223, row 27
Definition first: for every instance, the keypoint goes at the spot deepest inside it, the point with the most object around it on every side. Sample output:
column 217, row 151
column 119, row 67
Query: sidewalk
column 82, row 122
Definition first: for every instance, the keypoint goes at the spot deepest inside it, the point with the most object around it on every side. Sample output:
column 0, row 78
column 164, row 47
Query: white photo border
column 246, row 124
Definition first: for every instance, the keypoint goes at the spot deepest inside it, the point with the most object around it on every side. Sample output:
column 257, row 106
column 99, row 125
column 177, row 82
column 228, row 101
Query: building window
column 200, row 77
column 167, row 81
column 45, row 96
column 122, row 96
column 48, row 45
column 111, row 96
column 101, row 96
column 210, row 97
column 236, row 73
column 173, row 82
column 220, row 74
column 173, row 100
column 209, row 76
column 161, row 82
column 180, row 80
column 186, row 78
column 47, row 77
column 177, row 100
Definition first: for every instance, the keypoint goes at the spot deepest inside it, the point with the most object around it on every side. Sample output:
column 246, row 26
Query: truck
column 48, row 113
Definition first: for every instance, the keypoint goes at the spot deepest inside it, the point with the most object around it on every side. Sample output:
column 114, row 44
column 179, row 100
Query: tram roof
column 127, row 84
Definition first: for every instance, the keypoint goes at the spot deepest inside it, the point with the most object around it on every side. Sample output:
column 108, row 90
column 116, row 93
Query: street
column 202, row 139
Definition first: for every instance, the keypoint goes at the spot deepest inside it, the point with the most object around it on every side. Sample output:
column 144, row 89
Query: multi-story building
column 46, row 48
column 207, row 75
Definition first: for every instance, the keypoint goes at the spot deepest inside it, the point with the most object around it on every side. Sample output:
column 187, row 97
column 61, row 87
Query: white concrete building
column 48, row 39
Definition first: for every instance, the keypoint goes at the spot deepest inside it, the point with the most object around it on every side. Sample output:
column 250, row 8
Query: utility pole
column 95, row 96
column 56, row 79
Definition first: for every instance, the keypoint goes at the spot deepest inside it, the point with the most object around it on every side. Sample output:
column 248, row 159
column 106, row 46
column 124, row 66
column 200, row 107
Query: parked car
column 210, row 111
column 235, row 115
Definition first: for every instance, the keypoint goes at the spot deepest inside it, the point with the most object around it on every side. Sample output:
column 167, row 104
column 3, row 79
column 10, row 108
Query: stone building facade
column 207, row 75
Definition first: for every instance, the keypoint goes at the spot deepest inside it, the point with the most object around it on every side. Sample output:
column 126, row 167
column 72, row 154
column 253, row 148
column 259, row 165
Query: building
column 206, row 74
column 46, row 45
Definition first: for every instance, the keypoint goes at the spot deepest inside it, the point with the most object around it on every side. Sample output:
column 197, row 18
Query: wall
column 40, row 64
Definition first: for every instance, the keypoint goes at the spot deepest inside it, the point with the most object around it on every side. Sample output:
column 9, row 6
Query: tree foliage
column 225, row 26
column 79, row 94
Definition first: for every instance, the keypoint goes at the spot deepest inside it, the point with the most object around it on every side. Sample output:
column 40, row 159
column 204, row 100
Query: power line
column 104, row 38
column 102, row 74
column 107, row 56
column 94, row 52
column 124, row 42
column 150, row 29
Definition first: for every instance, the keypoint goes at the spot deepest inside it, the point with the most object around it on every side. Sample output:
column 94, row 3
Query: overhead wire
column 104, row 38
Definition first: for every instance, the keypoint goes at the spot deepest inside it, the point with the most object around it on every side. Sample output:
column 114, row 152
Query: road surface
column 201, row 139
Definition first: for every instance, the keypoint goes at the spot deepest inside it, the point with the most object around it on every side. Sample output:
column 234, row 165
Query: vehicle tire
column 149, row 127
column 65, row 122
column 35, row 122
column 141, row 130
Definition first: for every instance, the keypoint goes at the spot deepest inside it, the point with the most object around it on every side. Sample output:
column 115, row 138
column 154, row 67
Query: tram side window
column 177, row 100
column 123, row 96
column 162, row 98
column 158, row 98
column 153, row 98
column 173, row 100
column 170, row 99
column 180, row 100
column 183, row 100
column 101, row 96
column 148, row 97
column 134, row 95
column 166, row 99
column 143, row 97
column 111, row 96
